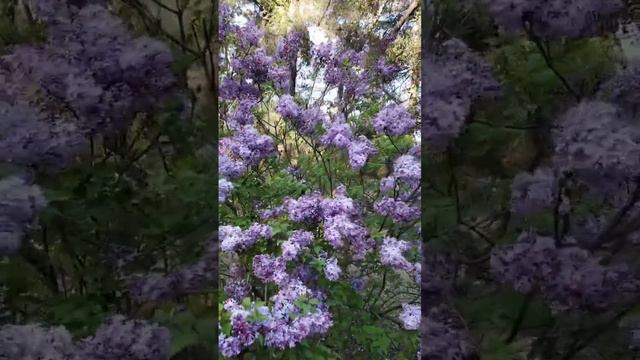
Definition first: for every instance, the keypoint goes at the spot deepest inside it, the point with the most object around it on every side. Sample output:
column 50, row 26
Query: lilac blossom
column 281, row 77
column 237, row 289
column 303, row 120
column 456, row 79
column 340, row 204
column 289, row 46
column 410, row 316
column 331, row 269
column 397, row 210
column 248, row 145
column 391, row 254
column 35, row 342
column 272, row 213
column 243, row 114
column 393, row 120
column 553, row 19
column 288, row 108
column 224, row 189
column 254, row 66
column 250, row 35
column 596, row 140
column 338, row 132
column 298, row 240
column 359, row 151
column 341, row 229
column 269, row 269
column 407, row 169
column 228, row 167
column 311, row 118
column 231, row 89
column 305, row 208
column 120, row 338
column 234, row 239
column 444, row 337
column 532, row 193
column 568, row 278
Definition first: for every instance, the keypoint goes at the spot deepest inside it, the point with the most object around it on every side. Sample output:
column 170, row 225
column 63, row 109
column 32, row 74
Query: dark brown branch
column 617, row 219
column 547, row 59
column 406, row 15
column 520, row 318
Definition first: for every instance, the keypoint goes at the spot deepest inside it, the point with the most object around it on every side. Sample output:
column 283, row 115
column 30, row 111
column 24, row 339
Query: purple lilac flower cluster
column 360, row 150
column 298, row 240
column 410, row 316
column 284, row 325
column 343, row 224
column 553, row 19
column 331, row 269
column 443, row 337
column 338, row 132
column 289, row 46
column 455, row 79
column 117, row 338
column 391, row 254
column 304, row 120
column 91, row 77
column 398, row 210
column 234, row 239
column 595, row 141
column 534, row 192
column 403, row 183
column 346, row 68
column 568, row 278
column 393, row 120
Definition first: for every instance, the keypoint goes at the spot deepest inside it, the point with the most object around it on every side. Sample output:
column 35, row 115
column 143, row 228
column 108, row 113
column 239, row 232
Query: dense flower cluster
column 533, row 193
column 303, row 120
column 90, row 77
column 35, row 342
column 391, row 254
column 439, row 272
column 224, row 189
column 233, row 238
column 410, row 316
column 568, row 278
column 553, row 19
column 397, row 210
column 457, row 77
column 117, row 338
column 360, row 150
column 289, row 46
column 338, row 132
column 443, row 338
column 393, row 120
column 596, row 140
column 283, row 325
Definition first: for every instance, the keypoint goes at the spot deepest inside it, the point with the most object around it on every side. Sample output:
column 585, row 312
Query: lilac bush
column 304, row 223
column 84, row 109
column 530, row 118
